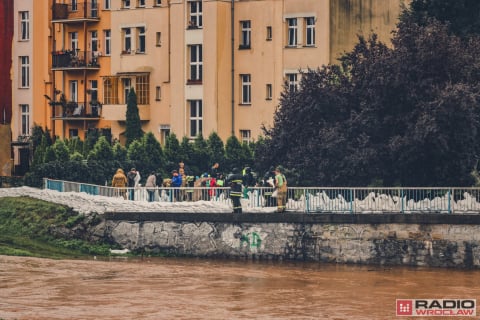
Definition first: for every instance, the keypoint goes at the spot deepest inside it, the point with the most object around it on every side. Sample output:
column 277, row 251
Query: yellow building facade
column 196, row 66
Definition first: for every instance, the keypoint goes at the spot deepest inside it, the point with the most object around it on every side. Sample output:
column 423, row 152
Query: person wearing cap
column 281, row 186
column 235, row 180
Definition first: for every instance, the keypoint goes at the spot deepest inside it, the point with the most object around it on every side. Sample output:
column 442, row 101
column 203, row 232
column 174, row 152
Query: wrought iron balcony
column 75, row 59
column 77, row 110
column 62, row 12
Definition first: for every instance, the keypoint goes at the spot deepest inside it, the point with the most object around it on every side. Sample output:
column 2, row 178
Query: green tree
column 402, row 116
column 102, row 151
column 61, row 151
column 172, row 152
column 119, row 152
column 216, row 149
column 154, row 157
column 200, row 154
column 462, row 16
column 235, row 155
column 186, row 153
column 133, row 129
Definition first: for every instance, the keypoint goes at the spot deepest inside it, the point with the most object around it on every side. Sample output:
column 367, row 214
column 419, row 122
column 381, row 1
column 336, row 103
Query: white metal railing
column 303, row 199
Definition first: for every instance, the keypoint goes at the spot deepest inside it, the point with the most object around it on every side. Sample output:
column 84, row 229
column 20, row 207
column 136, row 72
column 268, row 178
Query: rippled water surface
column 166, row 288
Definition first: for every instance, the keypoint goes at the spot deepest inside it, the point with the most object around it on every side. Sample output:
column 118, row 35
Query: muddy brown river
column 168, row 288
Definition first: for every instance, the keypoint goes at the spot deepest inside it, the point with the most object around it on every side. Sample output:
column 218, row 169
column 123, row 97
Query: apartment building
column 197, row 66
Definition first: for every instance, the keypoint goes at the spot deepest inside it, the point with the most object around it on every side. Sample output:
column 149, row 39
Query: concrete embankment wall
column 436, row 240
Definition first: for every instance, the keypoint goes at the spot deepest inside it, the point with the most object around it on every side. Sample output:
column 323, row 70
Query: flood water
column 168, row 288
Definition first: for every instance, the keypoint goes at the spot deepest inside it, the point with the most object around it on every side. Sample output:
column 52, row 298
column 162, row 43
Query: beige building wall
column 350, row 18
column 269, row 60
column 154, row 62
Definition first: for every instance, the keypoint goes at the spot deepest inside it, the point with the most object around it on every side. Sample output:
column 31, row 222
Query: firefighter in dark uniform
column 234, row 180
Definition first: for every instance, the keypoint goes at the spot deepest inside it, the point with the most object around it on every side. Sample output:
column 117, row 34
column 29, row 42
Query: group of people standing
column 239, row 182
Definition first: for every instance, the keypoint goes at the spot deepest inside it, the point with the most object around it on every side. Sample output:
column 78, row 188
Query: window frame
column 195, row 119
column 292, row 32
column 195, row 14
column 127, row 40
column 245, row 89
column 24, row 72
column 108, row 41
column 142, row 40
column 309, row 31
column 73, row 37
column 24, row 25
column 110, row 90
column 94, row 40
column 142, row 85
column 246, row 136
column 269, row 33
column 245, row 34
column 195, row 63
column 269, row 91
column 24, row 119
column 292, row 81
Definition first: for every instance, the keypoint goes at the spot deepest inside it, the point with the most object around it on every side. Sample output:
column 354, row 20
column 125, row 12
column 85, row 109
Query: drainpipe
column 232, row 22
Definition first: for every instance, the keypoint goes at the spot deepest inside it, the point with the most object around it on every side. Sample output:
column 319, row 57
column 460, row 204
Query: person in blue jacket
column 176, row 183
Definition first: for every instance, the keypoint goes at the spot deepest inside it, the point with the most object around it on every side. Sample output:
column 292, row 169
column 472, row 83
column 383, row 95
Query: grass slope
column 26, row 226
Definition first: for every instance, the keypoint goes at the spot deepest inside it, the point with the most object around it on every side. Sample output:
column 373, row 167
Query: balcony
column 68, row 13
column 77, row 110
column 75, row 59
column 117, row 112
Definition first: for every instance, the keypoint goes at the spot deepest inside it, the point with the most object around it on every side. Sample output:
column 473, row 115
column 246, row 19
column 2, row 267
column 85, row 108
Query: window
column 310, row 31
column 127, row 84
column 93, row 90
column 245, row 136
column 292, row 32
column 141, row 3
column 106, row 4
column 73, row 133
column 141, row 40
column 269, row 33
column 94, row 40
column 127, row 40
column 108, row 42
column 196, row 63
column 73, row 40
column 74, row 5
column 158, row 93
column 73, row 84
column 25, row 119
column 164, row 133
column 157, row 2
column 292, row 81
column 269, row 92
column 141, row 88
column 24, row 25
column 195, row 118
column 158, row 39
column 94, row 9
column 246, row 88
column 110, row 90
column 245, row 36
column 24, row 72
column 125, row 4
column 195, row 17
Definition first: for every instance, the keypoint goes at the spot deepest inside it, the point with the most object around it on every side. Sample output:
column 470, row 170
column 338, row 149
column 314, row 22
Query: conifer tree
column 134, row 127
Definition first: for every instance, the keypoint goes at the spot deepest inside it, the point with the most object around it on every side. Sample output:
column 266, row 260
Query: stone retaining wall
column 435, row 240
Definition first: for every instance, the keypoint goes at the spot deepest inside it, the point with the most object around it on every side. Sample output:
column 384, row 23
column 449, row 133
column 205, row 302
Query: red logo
column 404, row 307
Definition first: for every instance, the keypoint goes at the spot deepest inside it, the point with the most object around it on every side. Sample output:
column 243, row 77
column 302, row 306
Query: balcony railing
column 77, row 110
column 74, row 59
column 78, row 11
